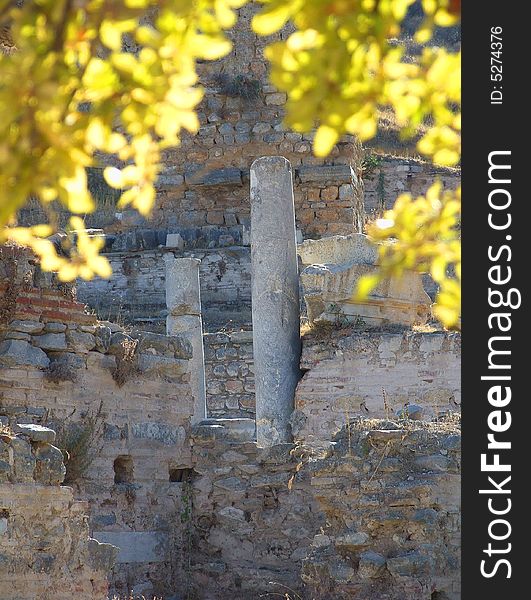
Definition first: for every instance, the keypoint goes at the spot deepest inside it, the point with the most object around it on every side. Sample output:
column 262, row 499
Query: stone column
column 183, row 300
column 275, row 298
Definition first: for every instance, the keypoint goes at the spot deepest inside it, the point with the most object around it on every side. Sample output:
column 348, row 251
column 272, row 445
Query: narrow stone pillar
column 275, row 298
column 183, row 300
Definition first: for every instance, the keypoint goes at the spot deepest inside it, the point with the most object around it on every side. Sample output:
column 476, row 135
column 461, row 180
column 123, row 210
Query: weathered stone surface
column 26, row 326
column 275, row 291
column 366, row 363
column 23, row 460
column 325, row 173
column 162, row 366
column 368, row 505
column 50, row 341
column 101, row 557
column 102, row 338
column 329, row 293
column 136, row 546
column 183, row 300
column 52, row 556
column 228, row 176
column 53, row 327
column 409, row 565
column 174, row 346
column 117, row 342
column 168, row 177
column 371, row 565
column 18, row 352
column 338, row 249
column 352, row 540
column 175, row 240
column 36, row 433
column 80, row 342
column 160, row 432
column 49, row 466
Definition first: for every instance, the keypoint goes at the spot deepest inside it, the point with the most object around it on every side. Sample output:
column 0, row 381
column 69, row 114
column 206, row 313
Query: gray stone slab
column 20, row 352
column 325, row 174
column 137, row 546
column 229, row 176
column 160, row 432
column 36, row 433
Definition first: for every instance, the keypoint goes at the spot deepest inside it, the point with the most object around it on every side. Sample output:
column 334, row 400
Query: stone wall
column 391, row 495
column 136, row 291
column 375, row 517
column 121, row 404
column 254, row 520
column 391, row 176
column 45, row 549
column 205, row 181
column 352, row 373
column 229, row 370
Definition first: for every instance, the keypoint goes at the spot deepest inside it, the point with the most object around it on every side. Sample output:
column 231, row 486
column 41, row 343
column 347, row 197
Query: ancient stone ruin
column 133, row 462
column 222, row 418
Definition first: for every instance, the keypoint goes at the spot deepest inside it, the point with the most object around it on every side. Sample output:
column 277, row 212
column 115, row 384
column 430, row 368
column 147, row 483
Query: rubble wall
column 229, row 369
column 375, row 375
column 376, row 516
column 136, row 291
column 125, row 418
column 45, row 549
column 391, row 495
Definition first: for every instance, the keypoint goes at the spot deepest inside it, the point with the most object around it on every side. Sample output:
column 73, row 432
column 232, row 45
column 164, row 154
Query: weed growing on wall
column 80, row 443
column 126, row 367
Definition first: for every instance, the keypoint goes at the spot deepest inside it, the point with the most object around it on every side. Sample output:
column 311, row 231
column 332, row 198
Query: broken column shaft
column 183, row 300
column 275, row 298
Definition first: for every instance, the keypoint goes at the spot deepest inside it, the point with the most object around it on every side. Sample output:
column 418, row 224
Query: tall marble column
column 183, row 300
column 275, row 298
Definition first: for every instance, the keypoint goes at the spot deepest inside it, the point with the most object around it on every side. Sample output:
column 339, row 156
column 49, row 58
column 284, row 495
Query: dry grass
column 126, row 367
column 59, row 371
column 80, row 443
column 448, row 424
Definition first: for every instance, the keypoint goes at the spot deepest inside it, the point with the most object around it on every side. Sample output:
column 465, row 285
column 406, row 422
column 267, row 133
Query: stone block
column 173, row 346
column 50, row 341
column 49, row 466
column 169, row 178
column 26, row 326
column 276, row 99
column 81, row 342
column 329, row 292
column 371, row 565
column 175, row 240
column 229, row 176
column 163, row 366
column 101, row 556
column 23, row 460
column 137, row 546
column 352, row 540
column 169, row 435
column 36, row 433
column 102, row 338
column 323, row 174
column 338, row 249
column 53, row 327
column 409, row 565
column 21, row 353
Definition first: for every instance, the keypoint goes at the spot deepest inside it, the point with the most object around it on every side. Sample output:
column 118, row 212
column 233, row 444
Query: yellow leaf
column 113, row 177
column 111, row 35
column 366, row 285
column 272, row 19
column 324, row 140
